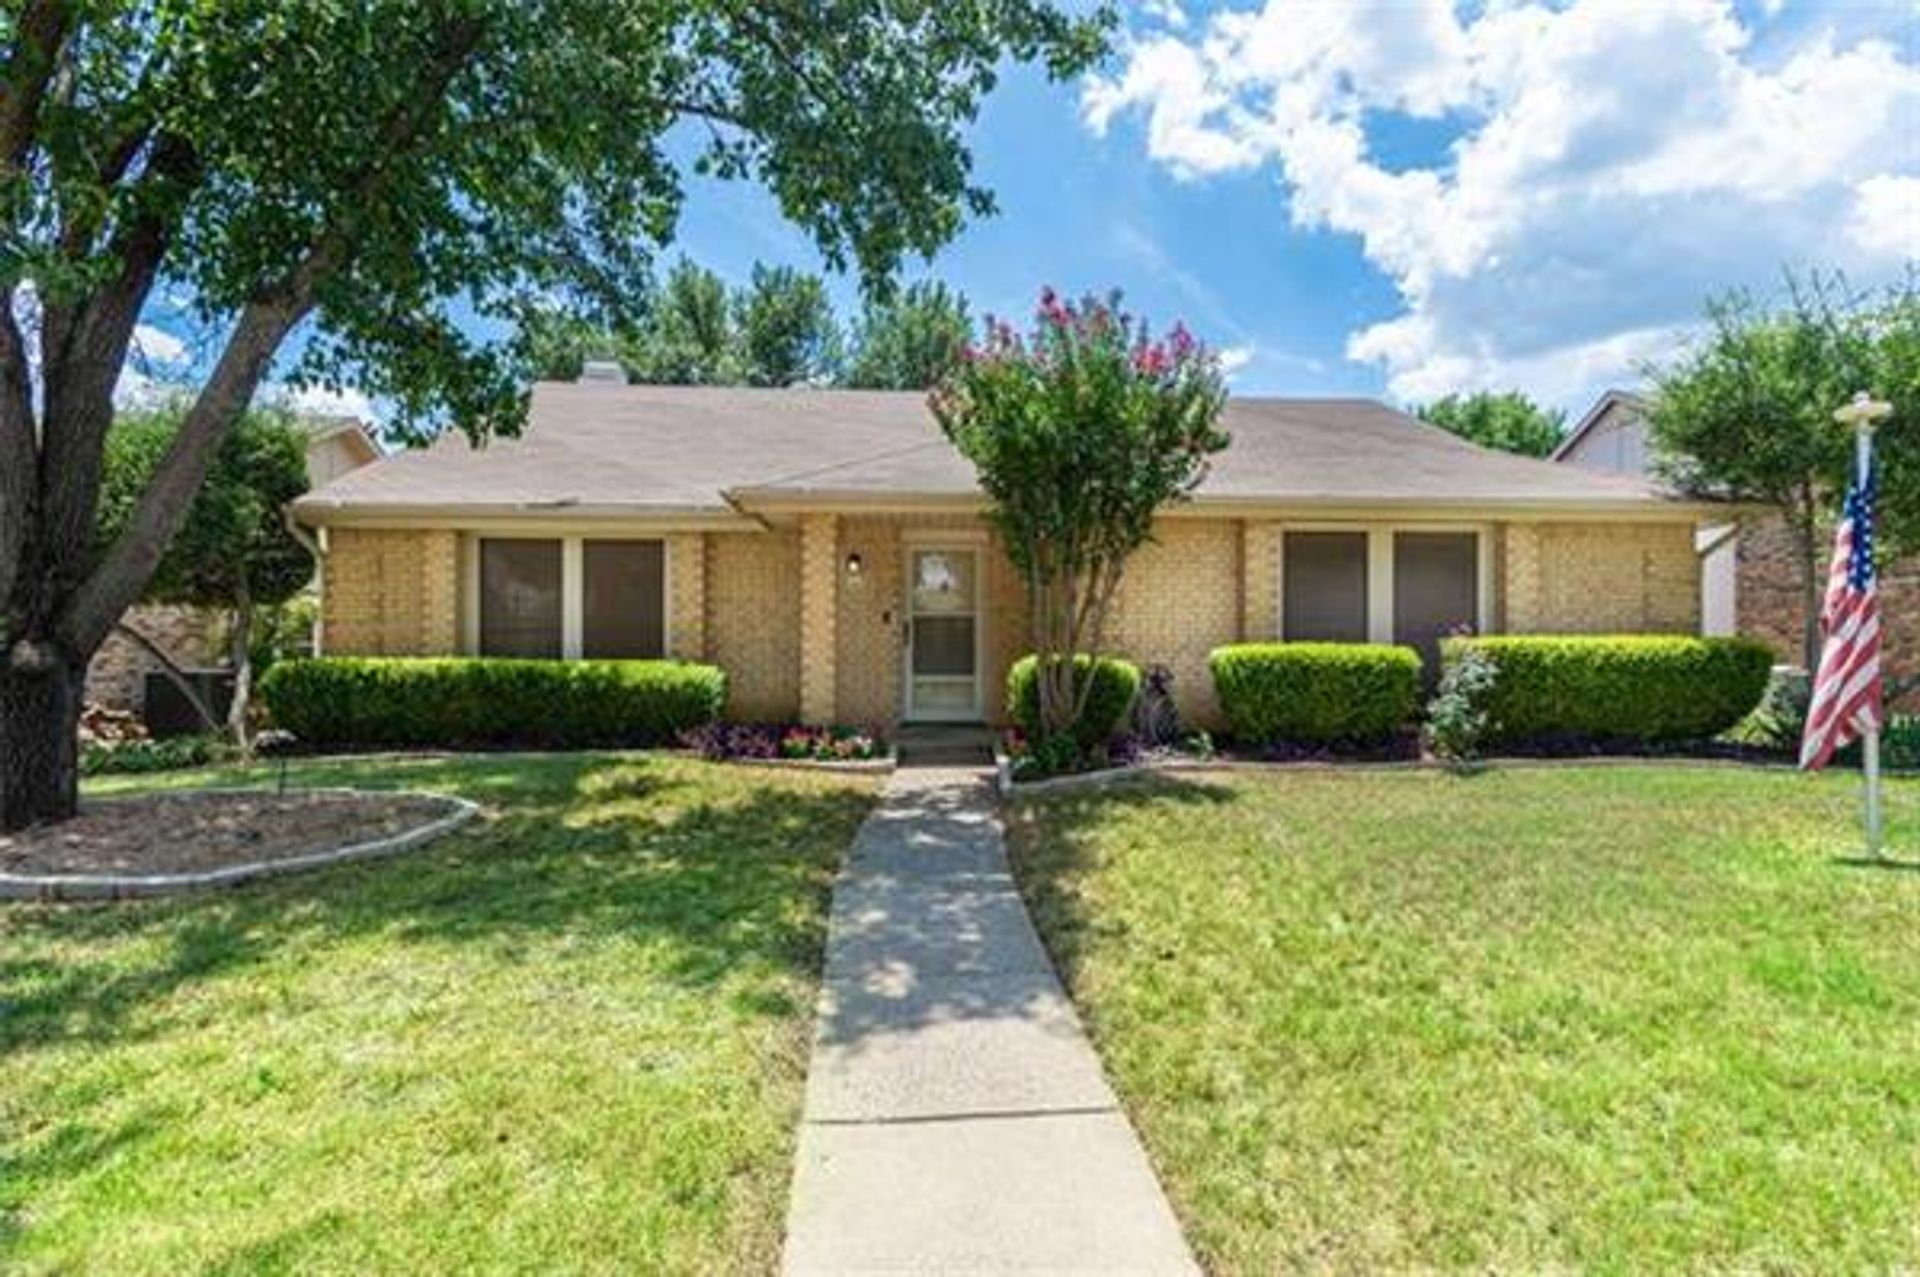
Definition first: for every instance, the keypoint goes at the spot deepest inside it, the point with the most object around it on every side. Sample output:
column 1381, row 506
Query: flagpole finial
column 1863, row 411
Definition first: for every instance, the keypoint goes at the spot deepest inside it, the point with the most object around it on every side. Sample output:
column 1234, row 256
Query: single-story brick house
column 827, row 548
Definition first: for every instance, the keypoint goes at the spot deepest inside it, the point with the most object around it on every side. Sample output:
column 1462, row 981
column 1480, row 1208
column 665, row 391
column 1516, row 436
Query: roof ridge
column 809, row 472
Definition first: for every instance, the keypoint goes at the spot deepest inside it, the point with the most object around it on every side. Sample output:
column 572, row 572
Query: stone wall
column 117, row 677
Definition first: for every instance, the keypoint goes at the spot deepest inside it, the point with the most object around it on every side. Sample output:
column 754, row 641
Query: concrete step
column 944, row 744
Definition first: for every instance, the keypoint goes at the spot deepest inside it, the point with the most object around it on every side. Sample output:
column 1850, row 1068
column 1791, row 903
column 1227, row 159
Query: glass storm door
column 943, row 630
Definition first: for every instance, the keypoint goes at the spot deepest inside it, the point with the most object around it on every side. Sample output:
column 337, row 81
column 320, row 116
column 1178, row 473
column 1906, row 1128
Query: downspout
column 317, row 547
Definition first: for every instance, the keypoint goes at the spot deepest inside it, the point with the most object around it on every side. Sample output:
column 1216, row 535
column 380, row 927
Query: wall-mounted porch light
column 855, row 565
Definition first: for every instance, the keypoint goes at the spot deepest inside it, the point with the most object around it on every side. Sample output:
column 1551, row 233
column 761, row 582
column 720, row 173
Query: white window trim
column 573, row 593
column 1380, row 571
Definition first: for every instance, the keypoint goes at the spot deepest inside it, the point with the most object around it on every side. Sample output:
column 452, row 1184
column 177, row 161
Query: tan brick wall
column 752, row 599
column 1260, row 581
column 869, row 629
column 391, row 592
column 871, row 620
column 819, row 617
column 1592, row 578
column 1181, row 598
column 687, row 606
column 189, row 635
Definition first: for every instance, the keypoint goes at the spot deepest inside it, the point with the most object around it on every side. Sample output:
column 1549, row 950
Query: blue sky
column 1080, row 212
column 1405, row 197
column 1401, row 198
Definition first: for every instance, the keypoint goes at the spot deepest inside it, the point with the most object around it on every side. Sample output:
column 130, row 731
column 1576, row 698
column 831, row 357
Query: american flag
column 1846, row 691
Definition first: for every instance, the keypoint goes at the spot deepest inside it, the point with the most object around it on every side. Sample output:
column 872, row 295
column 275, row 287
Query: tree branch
column 19, row 453
column 171, row 669
column 40, row 31
column 116, row 582
column 82, row 353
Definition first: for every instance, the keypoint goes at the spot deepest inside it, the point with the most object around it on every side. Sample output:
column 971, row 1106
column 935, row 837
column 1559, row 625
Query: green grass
column 570, row 1038
column 1618, row 1019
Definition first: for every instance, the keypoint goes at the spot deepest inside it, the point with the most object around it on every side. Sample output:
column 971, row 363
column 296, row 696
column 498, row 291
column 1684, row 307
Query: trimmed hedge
column 1115, row 684
column 1316, row 693
column 456, row 702
column 1638, row 687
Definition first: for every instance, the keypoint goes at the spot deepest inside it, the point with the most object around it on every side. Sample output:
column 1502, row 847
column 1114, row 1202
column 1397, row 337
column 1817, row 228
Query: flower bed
column 1022, row 760
column 163, row 843
column 786, row 742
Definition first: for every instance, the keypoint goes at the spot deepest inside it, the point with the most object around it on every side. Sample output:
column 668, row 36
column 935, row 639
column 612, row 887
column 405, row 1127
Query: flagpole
column 1863, row 414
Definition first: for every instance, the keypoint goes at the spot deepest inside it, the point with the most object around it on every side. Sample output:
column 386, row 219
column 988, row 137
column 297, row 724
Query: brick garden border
column 48, row 887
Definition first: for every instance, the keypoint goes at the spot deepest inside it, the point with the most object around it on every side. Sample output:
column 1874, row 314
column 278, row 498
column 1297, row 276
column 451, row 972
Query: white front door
column 943, row 634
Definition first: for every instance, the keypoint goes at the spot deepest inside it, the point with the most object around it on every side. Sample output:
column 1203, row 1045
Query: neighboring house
column 1750, row 577
column 827, row 548
column 191, row 636
column 1612, row 437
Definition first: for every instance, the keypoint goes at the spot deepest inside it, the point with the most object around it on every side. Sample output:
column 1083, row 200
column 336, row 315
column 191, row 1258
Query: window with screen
column 1324, row 587
column 520, row 603
column 623, row 611
column 1436, row 589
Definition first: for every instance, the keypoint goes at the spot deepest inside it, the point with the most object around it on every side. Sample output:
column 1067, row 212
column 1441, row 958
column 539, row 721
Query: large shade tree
column 1747, row 413
column 370, row 171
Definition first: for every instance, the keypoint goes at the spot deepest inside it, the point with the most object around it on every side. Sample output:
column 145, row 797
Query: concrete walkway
column 956, row 1117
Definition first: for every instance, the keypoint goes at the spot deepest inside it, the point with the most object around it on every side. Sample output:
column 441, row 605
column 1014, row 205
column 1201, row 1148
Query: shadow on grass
column 719, row 873
column 1885, row 864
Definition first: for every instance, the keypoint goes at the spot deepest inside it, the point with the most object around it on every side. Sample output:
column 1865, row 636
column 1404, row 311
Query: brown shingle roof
column 674, row 450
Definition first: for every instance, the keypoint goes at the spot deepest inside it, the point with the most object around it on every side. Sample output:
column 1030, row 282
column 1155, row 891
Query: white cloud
column 1886, row 217
column 1614, row 164
column 322, row 401
column 157, row 345
column 1234, row 358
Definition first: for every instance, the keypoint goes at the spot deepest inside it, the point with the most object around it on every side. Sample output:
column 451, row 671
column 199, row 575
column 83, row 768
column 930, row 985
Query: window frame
column 572, row 585
column 479, row 593
column 1380, row 584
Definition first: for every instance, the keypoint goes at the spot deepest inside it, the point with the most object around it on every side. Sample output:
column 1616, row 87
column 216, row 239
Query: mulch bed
column 196, row 832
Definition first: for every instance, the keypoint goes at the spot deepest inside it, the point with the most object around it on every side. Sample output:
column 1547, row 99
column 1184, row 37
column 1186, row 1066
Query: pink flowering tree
column 1081, row 432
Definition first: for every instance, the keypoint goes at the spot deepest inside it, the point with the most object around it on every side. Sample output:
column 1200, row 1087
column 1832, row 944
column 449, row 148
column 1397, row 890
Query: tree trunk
column 240, row 652
column 1808, row 535
column 39, row 743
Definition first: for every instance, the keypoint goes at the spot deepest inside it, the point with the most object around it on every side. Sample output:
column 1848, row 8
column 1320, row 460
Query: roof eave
column 337, row 513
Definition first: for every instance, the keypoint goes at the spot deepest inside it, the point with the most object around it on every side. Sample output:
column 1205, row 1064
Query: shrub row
column 1315, row 693
column 1639, row 687
column 1115, row 684
column 457, row 702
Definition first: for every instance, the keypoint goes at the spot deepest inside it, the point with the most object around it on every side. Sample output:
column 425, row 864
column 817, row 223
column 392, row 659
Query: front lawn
column 1620, row 1018
column 572, row 1037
